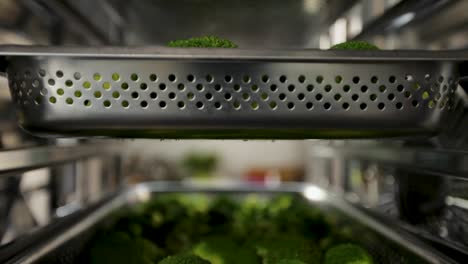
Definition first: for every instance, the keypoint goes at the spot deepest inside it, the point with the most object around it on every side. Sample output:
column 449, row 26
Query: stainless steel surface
column 219, row 93
column 20, row 160
column 401, row 244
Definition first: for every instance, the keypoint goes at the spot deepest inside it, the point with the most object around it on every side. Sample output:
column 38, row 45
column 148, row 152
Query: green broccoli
column 202, row 42
column 347, row 254
column 119, row 247
column 290, row 261
column 223, row 250
column 354, row 45
column 279, row 247
column 183, row 259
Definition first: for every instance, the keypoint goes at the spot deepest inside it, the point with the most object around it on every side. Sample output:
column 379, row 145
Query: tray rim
column 223, row 54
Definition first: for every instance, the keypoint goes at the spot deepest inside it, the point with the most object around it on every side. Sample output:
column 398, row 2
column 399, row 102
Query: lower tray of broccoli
column 197, row 229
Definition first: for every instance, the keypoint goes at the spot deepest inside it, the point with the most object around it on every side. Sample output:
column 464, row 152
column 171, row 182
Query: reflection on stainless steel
column 393, row 245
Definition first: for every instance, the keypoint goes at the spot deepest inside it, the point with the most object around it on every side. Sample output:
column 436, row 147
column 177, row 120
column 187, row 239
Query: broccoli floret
column 223, row 250
column 355, row 45
column 184, row 259
column 290, row 261
column 202, row 42
column 347, row 254
column 119, row 247
column 275, row 248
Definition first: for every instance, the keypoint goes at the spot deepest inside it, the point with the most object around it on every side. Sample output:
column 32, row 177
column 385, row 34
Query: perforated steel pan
column 232, row 93
column 66, row 240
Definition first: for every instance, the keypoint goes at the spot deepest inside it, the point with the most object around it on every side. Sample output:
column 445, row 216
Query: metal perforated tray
column 66, row 241
column 225, row 93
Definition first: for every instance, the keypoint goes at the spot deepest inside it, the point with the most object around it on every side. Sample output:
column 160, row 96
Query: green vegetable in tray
column 119, row 247
column 276, row 248
column 197, row 229
column 347, row 254
column 183, row 259
column 225, row 250
column 202, row 42
column 355, row 45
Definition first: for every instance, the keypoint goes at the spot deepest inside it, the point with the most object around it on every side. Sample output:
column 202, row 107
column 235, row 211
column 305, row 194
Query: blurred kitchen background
column 45, row 179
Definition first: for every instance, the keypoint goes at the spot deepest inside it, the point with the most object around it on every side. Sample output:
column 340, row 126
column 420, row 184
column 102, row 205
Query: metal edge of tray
column 156, row 52
column 46, row 242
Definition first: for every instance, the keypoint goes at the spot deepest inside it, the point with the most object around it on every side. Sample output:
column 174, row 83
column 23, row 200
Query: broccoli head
column 355, row 45
column 290, row 261
column 183, row 259
column 119, row 247
column 279, row 247
column 347, row 254
column 223, row 250
column 202, row 42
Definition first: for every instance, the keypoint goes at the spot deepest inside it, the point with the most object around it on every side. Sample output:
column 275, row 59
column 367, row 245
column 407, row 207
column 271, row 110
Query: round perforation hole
column 356, row 79
column 125, row 104
column 363, row 106
column 337, row 97
column 181, row 87
column 374, row 79
column 42, row 73
column 246, row 79
column 327, row 88
column 415, row 103
column 153, row 95
column 236, row 105
column 425, row 95
column 69, row 101
column 273, row 105
column 319, row 79
column 282, row 96
column 400, row 88
column 338, row 79
column 35, row 83
column 51, row 82
column 171, row 78
column 162, row 104
column 135, row 95
column 310, row 88
column 265, row 78
column 209, row 78
column 97, row 77
column 319, row 97
column 87, row 103
column 208, row 96
column 172, row 95
column 399, row 106
column 199, row 105
column 143, row 86
column 364, row 89
column 59, row 74
column 200, row 87
column 77, row 76
column 124, row 86
column 115, row 77
column 144, row 104
column 228, row 78
column 291, row 88
column 190, row 78
column 355, row 97
column 327, row 106
column 391, row 97
column 301, row 97
column 181, row 105
column 227, row 96
column 218, row 88
column 345, row 106
column 346, row 88
column 382, row 88
column 290, row 105
column 77, row 94
column 190, row 96
column 162, row 87
column 106, row 85
column 217, row 105
column 97, row 94
column 392, row 79
column 282, row 79
column 38, row 100
column 264, row 96
column 407, row 94
column 134, row 77
column 254, row 88
column 52, row 100
column 373, row 97
column 153, row 77
column 60, row 91
column 236, row 88
column 301, row 78
column 254, row 105
column 381, row 106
